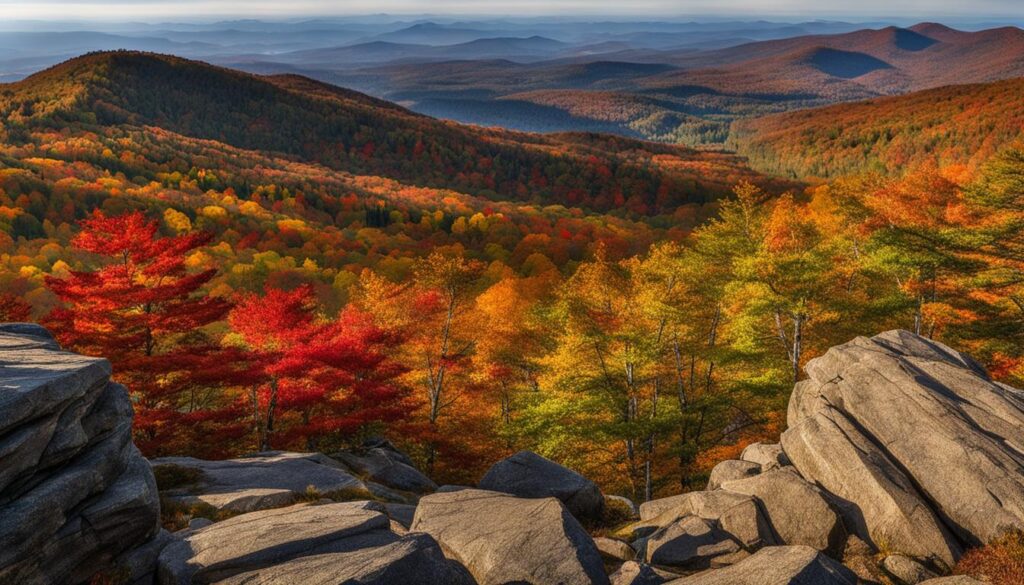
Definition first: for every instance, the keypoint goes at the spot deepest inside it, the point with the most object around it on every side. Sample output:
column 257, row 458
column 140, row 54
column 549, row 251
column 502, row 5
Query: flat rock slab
column 261, row 481
column 529, row 475
column 956, row 433
column 242, row 501
column 262, row 539
column 415, row 559
column 796, row 509
column 777, row 565
column 504, row 539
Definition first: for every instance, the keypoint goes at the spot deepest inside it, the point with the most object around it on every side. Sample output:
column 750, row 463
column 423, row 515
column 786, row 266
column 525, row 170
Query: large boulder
column 735, row 513
column 504, row 539
column 265, row 480
column 387, row 466
column 777, row 565
column 879, row 503
column 688, row 543
column 74, row 491
column 529, row 475
column 415, row 559
column 796, row 510
column 262, row 539
column 937, row 416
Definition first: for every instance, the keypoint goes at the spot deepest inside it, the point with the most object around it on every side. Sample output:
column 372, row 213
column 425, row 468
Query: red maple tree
column 142, row 310
column 322, row 382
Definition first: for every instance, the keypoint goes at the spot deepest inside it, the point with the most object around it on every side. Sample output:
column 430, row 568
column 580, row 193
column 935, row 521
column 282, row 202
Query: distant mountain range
column 683, row 95
column 676, row 82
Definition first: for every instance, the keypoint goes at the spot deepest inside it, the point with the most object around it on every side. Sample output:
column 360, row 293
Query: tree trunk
column 271, row 408
column 798, row 342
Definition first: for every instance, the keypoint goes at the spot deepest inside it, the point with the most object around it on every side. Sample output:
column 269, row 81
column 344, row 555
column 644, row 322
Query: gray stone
column 738, row 514
column 966, row 451
column 401, row 513
column 906, row 570
column 262, row 539
column 625, row 502
column 243, row 500
column 634, row 573
column 688, row 543
column 266, row 480
column 197, row 523
column 728, row 559
column 797, row 511
column 879, row 502
column 529, row 475
column 505, row 539
column 777, row 565
column 138, row 565
column 415, row 559
column 387, row 467
column 731, row 469
column 614, row 549
column 767, row 455
column 31, row 330
column 74, row 491
column 383, row 492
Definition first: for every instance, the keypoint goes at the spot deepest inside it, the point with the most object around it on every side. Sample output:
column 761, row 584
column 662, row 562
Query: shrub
column 1000, row 562
column 170, row 476
column 175, row 515
column 343, row 495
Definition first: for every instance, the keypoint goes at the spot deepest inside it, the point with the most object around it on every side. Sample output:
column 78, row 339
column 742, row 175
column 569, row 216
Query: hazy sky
column 789, row 9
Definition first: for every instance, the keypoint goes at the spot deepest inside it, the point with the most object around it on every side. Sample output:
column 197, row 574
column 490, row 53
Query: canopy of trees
column 251, row 300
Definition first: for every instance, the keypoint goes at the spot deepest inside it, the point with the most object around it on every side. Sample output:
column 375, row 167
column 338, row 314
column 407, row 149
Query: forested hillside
column 351, row 132
column 277, row 263
column 955, row 125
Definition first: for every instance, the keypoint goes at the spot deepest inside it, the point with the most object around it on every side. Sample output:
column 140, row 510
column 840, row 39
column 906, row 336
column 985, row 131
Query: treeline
column 637, row 369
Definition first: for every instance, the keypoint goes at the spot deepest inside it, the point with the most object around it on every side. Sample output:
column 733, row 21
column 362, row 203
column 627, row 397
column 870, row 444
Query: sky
column 180, row 10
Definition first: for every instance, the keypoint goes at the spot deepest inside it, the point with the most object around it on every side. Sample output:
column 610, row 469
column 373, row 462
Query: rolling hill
column 344, row 130
column 901, row 60
column 959, row 124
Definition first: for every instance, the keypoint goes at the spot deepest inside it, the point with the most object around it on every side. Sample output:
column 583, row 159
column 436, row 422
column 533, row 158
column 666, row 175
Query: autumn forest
column 272, row 262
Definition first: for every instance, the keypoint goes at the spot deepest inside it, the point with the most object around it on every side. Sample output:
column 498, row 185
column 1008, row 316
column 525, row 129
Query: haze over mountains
column 677, row 82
